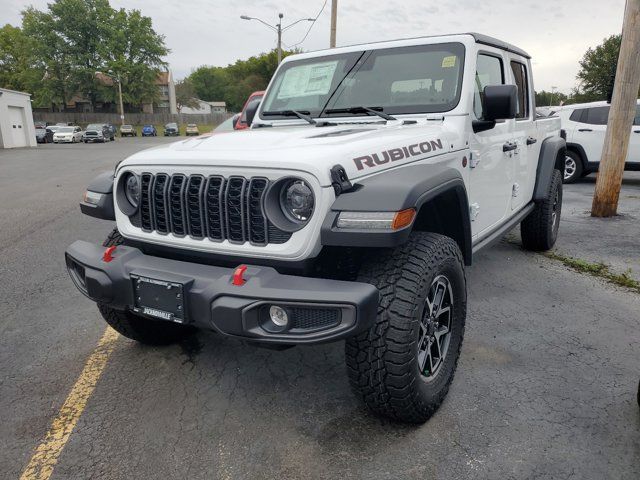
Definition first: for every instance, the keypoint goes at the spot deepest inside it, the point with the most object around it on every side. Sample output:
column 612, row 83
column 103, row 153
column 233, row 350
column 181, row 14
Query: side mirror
column 250, row 111
column 234, row 121
column 500, row 102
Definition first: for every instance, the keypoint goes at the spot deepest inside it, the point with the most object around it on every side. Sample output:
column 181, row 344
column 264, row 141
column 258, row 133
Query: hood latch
column 339, row 180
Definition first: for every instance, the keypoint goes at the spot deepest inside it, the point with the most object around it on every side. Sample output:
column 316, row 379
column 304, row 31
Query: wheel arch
column 430, row 189
column 579, row 150
column 552, row 152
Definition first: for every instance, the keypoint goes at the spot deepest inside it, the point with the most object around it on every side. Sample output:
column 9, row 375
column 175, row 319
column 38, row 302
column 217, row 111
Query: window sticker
column 448, row 62
column 307, row 80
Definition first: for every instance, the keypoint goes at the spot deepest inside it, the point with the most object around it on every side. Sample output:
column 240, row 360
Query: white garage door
column 18, row 128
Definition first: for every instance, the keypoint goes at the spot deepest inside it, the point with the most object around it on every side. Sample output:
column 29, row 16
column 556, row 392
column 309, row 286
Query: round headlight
column 296, row 201
column 132, row 189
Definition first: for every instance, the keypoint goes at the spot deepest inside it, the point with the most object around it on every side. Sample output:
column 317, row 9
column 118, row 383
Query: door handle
column 509, row 146
column 531, row 140
column 585, row 130
column 636, row 131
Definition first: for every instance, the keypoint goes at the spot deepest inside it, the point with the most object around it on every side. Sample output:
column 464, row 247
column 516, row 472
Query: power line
column 311, row 26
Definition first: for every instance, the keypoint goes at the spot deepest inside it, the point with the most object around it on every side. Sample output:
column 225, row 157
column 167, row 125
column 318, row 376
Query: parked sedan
column 149, row 131
column 68, row 135
column 171, row 130
column 128, row 131
column 192, row 129
column 44, row 135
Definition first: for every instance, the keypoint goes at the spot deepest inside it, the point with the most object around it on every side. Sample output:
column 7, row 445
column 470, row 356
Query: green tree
column 598, row 69
column 185, row 95
column 545, row 99
column 17, row 69
column 233, row 84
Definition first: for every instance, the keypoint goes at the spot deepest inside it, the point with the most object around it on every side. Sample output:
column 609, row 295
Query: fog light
column 278, row 316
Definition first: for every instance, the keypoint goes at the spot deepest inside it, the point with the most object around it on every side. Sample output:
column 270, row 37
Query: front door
column 491, row 170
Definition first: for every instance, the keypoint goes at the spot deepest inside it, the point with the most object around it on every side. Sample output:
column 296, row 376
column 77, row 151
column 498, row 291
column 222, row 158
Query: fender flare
column 104, row 210
column 391, row 191
column 552, row 149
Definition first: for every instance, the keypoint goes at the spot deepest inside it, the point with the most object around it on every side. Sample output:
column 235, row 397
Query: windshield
column 94, row 126
column 126, row 127
column 65, row 130
column 417, row 79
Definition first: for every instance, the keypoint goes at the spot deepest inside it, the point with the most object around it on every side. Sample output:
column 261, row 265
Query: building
column 166, row 102
column 205, row 108
column 16, row 120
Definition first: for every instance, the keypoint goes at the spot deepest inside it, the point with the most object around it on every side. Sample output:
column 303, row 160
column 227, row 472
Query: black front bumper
column 319, row 310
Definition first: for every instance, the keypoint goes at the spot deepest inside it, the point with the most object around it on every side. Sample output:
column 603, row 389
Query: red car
column 241, row 124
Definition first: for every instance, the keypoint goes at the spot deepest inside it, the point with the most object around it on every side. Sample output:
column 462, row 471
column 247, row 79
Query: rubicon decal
column 395, row 154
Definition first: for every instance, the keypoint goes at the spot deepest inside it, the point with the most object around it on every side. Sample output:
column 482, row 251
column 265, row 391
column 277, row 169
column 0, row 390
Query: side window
column 576, row 115
column 522, row 82
column 636, row 120
column 488, row 72
column 596, row 116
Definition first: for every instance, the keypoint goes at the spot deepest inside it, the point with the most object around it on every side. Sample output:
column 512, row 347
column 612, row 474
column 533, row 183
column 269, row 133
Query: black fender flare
column 104, row 210
column 392, row 191
column 551, row 157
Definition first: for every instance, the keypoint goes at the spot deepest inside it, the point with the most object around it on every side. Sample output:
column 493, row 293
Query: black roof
column 494, row 42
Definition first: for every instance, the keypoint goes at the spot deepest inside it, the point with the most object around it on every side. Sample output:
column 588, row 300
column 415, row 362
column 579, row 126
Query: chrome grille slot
column 176, row 204
column 146, row 216
column 195, row 207
column 211, row 207
column 234, row 207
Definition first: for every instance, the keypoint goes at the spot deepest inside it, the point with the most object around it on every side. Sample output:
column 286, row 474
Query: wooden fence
column 80, row 118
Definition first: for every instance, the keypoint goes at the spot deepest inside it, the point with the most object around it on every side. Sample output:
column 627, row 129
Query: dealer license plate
column 159, row 298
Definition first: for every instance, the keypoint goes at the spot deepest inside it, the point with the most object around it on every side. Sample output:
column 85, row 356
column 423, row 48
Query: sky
column 210, row 32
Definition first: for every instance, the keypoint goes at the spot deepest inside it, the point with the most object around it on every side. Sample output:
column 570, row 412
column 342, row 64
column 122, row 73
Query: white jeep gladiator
column 371, row 175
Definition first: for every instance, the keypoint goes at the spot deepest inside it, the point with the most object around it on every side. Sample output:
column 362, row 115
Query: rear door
column 590, row 129
column 524, row 158
column 491, row 173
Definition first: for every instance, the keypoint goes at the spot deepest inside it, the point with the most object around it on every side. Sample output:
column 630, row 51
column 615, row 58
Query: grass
column 599, row 269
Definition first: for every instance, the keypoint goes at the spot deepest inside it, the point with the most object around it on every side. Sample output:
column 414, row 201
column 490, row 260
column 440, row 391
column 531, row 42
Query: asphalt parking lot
column 545, row 386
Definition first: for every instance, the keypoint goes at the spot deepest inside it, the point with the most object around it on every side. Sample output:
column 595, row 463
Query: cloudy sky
column 211, row 32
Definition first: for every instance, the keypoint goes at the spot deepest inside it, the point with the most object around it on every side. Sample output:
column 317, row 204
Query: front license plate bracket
column 160, row 299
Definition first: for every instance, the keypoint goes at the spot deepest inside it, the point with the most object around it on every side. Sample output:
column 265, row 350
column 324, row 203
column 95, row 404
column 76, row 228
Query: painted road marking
column 46, row 455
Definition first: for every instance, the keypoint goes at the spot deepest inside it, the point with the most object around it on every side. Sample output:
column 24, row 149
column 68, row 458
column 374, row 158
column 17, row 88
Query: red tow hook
column 238, row 279
column 108, row 254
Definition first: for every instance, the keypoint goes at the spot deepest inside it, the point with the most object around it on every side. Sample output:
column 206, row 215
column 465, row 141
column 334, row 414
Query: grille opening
column 213, row 207
column 77, row 274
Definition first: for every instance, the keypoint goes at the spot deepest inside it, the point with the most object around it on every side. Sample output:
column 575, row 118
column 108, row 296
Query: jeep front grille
column 213, row 207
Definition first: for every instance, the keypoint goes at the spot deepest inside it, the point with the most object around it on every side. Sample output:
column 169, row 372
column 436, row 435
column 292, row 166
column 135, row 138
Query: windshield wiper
column 303, row 115
column 368, row 110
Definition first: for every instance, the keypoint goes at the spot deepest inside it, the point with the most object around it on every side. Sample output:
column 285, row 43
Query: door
column 18, row 130
column 590, row 129
column 633, row 155
column 525, row 156
column 491, row 170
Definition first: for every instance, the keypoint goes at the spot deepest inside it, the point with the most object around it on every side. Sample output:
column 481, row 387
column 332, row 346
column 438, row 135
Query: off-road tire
column 539, row 230
column 382, row 362
column 140, row 329
column 578, row 169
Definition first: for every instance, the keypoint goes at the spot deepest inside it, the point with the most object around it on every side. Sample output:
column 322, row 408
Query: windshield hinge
column 339, row 180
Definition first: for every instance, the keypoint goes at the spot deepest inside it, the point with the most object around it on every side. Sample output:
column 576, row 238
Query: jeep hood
column 362, row 149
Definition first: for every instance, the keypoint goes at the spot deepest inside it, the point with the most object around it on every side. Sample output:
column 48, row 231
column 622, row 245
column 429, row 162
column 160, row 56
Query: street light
column 115, row 78
column 278, row 28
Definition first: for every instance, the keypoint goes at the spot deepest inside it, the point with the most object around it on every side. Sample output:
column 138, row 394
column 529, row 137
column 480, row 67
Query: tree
column 74, row 39
column 234, row 83
column 598, row 69
column 186, row 95
column 544, row 98
column 17, row 70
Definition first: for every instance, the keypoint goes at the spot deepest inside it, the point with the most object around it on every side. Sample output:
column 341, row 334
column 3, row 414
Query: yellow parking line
column 46, row 455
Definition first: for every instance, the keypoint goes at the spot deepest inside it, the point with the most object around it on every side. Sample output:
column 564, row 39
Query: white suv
column 585, row 125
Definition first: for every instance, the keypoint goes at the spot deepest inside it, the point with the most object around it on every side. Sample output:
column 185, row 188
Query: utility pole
column 621, row 114
column 334, row 21
column 278, row 28
column 280, row 15
column 121, row 105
